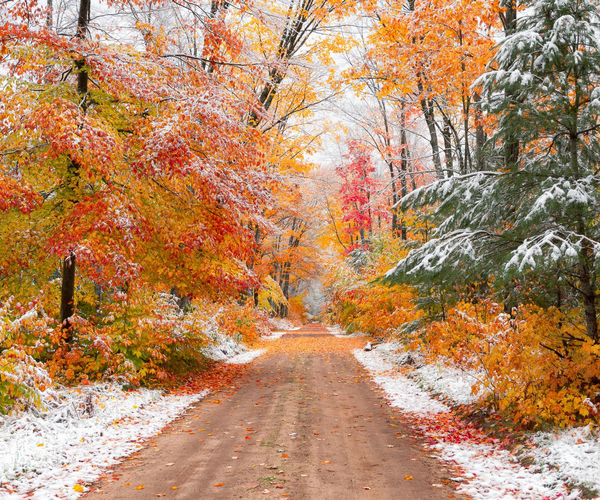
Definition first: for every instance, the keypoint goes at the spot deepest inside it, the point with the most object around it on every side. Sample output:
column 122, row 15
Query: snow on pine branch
column 434, row 255
column 551, row 246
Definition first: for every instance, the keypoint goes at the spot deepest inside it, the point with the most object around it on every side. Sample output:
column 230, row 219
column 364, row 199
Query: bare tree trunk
column 480, row 135
column 404, row 160
column 429, row 115
column 447, row 133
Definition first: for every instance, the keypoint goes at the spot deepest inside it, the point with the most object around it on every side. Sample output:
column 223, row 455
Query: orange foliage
column 530, row 365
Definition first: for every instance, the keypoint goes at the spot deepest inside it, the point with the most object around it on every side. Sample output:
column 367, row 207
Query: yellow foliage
column 530, row 365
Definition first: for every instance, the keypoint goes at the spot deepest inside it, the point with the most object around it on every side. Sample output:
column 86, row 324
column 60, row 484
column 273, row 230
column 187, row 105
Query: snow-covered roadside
column 488, row 471
column 245, row 357
column 573, row 453
column 338, row 332
column 85, row 430
column 223, row 347
column 274, row 335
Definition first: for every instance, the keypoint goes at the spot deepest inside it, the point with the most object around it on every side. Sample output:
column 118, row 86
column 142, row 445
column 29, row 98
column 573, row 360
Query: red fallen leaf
column 218, row 485
column 247, row 437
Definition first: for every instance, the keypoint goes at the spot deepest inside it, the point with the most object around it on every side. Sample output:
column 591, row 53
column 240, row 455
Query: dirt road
column 305, row 423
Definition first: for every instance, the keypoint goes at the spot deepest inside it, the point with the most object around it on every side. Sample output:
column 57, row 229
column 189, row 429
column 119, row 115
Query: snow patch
column 574, row 452
column 403, row 392
column 245, row 357
column 489, row 471
column 85, row 430
column 223, row 347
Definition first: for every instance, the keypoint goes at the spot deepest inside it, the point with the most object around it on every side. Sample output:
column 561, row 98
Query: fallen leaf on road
column 326, row 462
column 171, row 463
column 266, row 492
column 78, row 488
column 366, row 488
column 408, row 478
column 174, row 487
column 127, row 484
column 140, row 487
column 284, row 455
column 218, row 485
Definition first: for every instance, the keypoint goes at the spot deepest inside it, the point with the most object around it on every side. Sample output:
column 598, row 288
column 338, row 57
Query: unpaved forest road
column 302, row 425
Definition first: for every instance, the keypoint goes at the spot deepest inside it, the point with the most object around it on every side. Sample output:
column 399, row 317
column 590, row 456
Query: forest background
column 174, row 171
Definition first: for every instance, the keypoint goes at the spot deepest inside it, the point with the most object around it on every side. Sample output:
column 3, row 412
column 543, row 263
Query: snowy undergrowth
column 487, row 470
column 223, row 347
column 281, row 324
column 574, row 452
column 85, row 430
column 451, row 383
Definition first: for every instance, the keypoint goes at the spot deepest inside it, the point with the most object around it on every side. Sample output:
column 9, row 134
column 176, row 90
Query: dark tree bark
column 67, row 292
column 429, row 115
column 480, row 135
column 509, row 21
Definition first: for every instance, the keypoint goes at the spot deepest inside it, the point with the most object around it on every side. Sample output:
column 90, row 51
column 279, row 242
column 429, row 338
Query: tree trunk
column 480, row 135
column 67, row 295
column 67, row 292
column 404, row 158
column 448, row 148
column 512, row 148
column 428, row 114
column 588, row 292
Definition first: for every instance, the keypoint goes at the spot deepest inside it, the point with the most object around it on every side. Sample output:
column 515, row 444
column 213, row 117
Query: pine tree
column 537, row 214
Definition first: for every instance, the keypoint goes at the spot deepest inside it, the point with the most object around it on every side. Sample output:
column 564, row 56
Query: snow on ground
column 245, row 357
column 54, row 453
column 274, row 335
column 487, row 470
column 403, row 393
column 455, row 384
column 84, row 431
column 223, row 347
column 575, row 452
column 281, row 324
column 338, row 332
column 441, row 378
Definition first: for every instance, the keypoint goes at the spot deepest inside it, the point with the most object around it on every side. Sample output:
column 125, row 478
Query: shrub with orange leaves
column 535, row 364
column 358, row 303
column 136, row 337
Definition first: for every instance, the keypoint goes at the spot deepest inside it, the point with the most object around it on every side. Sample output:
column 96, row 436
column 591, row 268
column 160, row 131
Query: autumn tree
column 539, row 213
column 149, row 174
